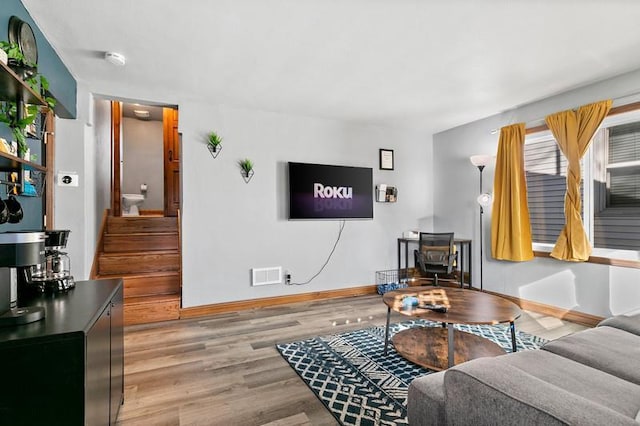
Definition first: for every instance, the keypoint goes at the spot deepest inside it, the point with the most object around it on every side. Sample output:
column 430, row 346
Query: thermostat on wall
column 68, row 179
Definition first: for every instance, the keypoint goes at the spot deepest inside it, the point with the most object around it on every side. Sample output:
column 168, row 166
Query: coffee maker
column 18, row 250
column 53, row 274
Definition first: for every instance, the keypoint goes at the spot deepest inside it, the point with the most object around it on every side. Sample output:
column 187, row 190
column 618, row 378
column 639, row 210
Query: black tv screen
column 318, row 191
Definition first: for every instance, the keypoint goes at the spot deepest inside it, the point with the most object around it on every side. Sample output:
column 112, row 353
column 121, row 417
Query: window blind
column 624, row 182
column 618, row 225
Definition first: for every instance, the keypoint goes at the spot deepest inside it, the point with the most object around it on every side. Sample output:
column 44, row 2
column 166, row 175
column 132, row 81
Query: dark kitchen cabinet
column 66, row 369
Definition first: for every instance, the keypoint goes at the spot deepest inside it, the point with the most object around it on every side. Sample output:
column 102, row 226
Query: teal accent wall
column 62, row 84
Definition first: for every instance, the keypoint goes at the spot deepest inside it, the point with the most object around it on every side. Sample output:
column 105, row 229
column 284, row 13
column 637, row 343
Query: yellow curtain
column 573, row 131
column 510, row 226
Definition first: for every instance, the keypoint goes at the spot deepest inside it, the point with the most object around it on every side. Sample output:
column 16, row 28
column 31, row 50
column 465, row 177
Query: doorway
column 145, row 163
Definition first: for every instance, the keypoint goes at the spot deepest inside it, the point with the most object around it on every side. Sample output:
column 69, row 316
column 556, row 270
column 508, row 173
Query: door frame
column 116, row 154
column 116, row 158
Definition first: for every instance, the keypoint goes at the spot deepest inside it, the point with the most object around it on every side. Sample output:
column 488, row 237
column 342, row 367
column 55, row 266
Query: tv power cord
column 325, row 263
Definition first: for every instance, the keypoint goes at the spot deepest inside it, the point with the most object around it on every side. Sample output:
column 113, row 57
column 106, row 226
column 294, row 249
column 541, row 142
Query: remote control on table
column 435, row 308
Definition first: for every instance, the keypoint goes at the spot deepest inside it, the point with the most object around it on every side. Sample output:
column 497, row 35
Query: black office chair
column 436, row 254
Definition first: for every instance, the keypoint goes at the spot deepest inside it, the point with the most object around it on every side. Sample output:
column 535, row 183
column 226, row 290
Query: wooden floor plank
column 225, row 369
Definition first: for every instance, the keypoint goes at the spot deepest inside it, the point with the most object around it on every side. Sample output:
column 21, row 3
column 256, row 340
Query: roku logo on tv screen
column 318, row 191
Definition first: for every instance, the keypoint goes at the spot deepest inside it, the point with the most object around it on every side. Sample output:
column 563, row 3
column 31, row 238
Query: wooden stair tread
column 141, row 234
column 140, row 284
column 139, row 253
column 138, row 275
column 145, row 252
column 128, row 224
column 137, row 242
column 142, row 310
column 151, row 299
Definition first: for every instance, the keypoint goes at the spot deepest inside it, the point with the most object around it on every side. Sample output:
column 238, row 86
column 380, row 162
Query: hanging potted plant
column 9, row 115
column 17, row 62
column 246, row 166
column 214, row 143
column 18, row 121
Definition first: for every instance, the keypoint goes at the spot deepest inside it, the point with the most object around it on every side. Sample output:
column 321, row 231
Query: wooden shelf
column 12, row 87
column 10, row 162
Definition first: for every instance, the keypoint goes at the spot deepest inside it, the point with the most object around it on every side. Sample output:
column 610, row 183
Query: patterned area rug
column 358, row 384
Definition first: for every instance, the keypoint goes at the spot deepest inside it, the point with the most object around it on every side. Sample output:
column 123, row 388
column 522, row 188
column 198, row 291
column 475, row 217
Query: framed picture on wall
column 386, row 159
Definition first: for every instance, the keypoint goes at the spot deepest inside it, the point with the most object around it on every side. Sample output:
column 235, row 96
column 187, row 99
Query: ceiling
column 423, row 64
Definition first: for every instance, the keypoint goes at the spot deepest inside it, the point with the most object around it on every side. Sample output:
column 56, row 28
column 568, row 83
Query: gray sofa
column 587, row 378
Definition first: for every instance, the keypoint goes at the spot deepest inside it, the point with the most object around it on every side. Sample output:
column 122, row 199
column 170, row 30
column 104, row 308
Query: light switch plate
column 68, row 179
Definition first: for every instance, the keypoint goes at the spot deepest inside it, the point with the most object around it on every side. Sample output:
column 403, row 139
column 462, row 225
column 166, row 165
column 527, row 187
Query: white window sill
column 613, row 257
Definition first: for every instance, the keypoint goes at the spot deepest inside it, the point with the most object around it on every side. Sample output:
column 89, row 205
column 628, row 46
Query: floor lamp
column 484, row 199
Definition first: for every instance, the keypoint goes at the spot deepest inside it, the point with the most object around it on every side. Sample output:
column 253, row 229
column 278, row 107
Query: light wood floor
column 225, row 370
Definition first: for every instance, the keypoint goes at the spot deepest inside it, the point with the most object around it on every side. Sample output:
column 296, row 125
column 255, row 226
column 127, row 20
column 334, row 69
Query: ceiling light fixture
column 141, row 113
column 115, row 58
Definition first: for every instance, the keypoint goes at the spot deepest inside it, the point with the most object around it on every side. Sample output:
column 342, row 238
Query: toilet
column 130, row 204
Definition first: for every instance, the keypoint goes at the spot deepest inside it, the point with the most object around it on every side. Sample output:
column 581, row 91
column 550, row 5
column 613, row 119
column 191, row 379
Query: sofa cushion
column 425, row 404
column 605, row 348
column 630, row 323
column 537, row 387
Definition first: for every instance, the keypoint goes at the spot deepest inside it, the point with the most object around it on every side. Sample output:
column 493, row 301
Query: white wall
column 75, row 206
column 230, row 226
column 593, row 289
column 143, row 160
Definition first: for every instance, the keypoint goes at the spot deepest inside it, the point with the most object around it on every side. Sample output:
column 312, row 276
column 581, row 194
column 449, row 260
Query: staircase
column 145, row 252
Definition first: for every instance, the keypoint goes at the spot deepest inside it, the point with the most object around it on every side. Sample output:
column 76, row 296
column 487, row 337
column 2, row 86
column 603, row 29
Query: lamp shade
column 480, row 159
column 484, row 199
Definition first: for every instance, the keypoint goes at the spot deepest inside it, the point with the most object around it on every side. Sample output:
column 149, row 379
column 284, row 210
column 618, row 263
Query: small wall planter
column 247, row 175
column 246, row 168
column 214, row 150
column 214, row 143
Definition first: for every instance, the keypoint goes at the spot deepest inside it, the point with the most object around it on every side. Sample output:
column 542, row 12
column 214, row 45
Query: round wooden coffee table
column 438, row 348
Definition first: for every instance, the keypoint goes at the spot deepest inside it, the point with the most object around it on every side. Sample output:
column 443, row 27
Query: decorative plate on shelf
column 21, row 33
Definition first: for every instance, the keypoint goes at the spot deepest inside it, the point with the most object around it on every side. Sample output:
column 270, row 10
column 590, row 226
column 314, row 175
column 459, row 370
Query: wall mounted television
column 326, row 192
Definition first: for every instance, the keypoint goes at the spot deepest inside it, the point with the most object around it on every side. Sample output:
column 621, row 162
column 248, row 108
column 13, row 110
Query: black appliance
column 18, row 250
column 53, row 274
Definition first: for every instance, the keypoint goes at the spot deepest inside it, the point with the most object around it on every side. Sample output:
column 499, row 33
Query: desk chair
column 436, row 254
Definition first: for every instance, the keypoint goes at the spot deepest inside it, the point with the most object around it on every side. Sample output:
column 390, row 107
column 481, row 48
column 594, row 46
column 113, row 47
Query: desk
column 462, row 244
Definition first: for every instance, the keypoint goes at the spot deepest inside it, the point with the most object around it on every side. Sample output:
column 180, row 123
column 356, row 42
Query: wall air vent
column 264, row 276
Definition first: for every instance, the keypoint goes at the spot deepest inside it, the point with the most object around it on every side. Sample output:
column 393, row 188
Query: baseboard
column 220, row 308
column 240, row 305
column 553, row 311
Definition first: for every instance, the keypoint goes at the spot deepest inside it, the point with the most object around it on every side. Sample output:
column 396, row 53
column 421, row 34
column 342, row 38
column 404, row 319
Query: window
column 610, row 187
column 622, row 166
column 546, row 172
